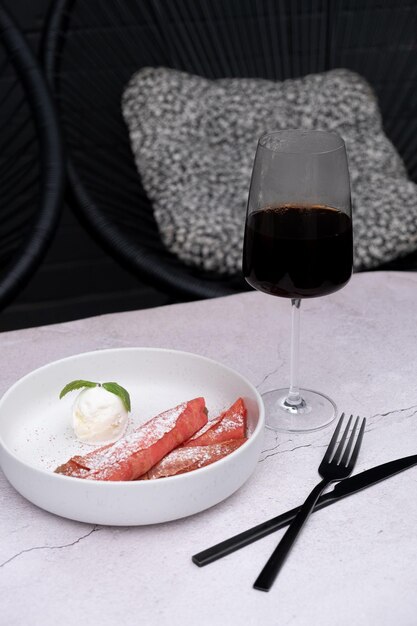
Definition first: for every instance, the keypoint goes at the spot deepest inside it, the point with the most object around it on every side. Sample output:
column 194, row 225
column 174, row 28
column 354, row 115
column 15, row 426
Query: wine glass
column 298, row 244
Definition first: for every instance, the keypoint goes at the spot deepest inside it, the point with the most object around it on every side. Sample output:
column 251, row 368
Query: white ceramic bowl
column 36, row 435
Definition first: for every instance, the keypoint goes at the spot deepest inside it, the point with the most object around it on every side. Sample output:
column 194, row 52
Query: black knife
column 343, row 489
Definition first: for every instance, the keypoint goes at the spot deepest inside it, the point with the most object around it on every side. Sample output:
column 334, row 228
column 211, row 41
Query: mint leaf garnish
column 76, row 384
column 119, row 391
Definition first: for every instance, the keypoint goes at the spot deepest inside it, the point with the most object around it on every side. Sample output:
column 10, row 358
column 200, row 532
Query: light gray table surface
column 355, row 563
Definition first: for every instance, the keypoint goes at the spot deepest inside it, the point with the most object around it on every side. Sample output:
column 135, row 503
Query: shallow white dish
column 36, row 435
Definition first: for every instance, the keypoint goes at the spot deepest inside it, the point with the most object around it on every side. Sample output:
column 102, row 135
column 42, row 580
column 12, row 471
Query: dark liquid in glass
column 298, row 251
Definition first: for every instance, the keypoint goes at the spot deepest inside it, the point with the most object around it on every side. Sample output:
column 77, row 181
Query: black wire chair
column 92, row 48
column 31, row 162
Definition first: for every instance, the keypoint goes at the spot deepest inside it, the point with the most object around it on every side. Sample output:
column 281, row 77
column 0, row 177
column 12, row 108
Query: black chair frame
column 31, row 251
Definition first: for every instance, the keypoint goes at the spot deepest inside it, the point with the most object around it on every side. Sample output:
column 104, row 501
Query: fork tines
column 343, row 455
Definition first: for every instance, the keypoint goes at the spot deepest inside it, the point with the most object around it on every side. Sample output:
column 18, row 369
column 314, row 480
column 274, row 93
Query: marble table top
column 356, row 561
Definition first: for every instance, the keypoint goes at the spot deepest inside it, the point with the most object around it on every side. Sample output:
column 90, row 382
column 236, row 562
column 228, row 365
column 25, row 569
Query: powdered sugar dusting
column 195, row 454
column 229, row 425
column 190, row 458
column 144, row 437
column 206, row 427
column 230, row 422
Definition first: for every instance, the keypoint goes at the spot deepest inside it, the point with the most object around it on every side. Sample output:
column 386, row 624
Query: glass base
column 315, row 412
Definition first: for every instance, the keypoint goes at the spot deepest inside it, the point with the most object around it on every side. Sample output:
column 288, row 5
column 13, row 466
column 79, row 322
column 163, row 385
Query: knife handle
column 244, row 539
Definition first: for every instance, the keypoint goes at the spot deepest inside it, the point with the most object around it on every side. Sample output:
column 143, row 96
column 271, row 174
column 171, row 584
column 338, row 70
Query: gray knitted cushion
column 194, row 142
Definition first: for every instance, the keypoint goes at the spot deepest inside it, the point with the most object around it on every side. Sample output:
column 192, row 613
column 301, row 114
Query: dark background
column 76, row 279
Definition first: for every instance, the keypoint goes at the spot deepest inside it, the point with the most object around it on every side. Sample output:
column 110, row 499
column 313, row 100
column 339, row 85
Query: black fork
column 334, row 466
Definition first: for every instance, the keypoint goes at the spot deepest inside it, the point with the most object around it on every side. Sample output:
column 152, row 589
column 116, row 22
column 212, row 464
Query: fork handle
column 271, row 569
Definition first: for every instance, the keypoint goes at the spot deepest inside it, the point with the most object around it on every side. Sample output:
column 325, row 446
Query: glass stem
column 294, row 398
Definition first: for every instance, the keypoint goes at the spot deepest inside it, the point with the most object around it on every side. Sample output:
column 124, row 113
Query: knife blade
column 343, row 489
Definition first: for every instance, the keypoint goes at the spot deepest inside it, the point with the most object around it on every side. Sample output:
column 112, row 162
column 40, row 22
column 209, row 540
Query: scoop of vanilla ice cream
column 98, row 416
